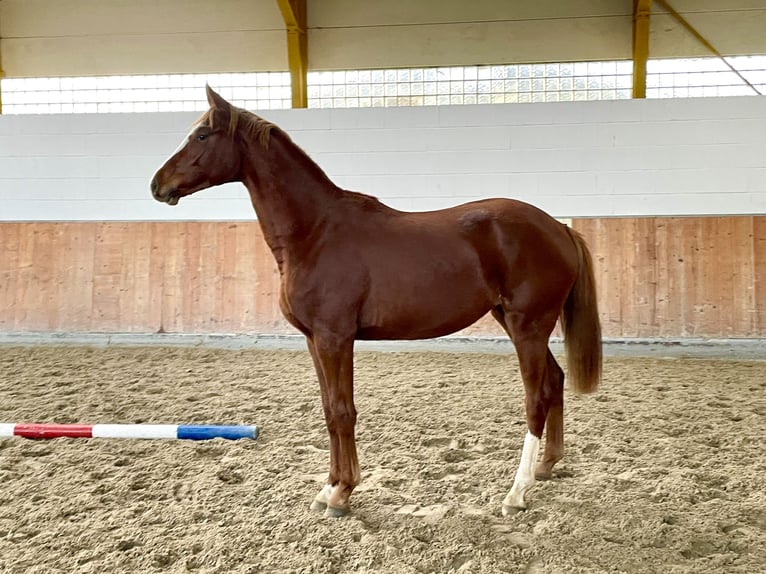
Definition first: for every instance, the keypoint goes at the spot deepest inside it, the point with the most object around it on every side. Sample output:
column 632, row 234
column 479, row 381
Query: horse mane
column 256, row 126
column 261, row 130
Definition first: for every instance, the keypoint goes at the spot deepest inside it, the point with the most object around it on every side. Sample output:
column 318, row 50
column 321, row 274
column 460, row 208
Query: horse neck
column 291, row 194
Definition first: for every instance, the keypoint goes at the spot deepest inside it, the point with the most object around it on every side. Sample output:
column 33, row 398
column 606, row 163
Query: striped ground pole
column 184, row 432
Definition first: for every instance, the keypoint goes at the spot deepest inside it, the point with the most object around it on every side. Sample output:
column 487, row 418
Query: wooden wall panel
column 680, row 276
column 10, row 269
column 657, row 277
column 195, row 277
column 759, row 274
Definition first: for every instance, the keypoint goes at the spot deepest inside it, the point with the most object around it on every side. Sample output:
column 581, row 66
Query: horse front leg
column 334, row 364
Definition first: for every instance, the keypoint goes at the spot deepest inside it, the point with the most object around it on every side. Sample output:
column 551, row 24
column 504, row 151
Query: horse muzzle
column 170, row 196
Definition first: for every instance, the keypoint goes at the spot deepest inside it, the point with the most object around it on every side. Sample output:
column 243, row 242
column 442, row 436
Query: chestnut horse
column 352, row 268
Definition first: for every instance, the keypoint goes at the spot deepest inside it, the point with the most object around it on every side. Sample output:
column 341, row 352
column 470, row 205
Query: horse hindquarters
column 530, row 327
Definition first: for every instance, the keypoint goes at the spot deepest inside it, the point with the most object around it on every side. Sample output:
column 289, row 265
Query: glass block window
column 163, row 93
column 701, row 77
column 556, row 82
column 559, row 82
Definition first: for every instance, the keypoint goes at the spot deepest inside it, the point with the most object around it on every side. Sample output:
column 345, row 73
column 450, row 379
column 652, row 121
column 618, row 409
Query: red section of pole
column 45, row 431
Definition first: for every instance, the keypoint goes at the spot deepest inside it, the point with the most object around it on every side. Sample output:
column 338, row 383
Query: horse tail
column 581, row 325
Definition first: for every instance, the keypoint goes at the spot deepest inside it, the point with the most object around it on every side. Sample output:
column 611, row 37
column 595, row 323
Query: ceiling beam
column 294, row 15
column 642, row 10
column 702, row 40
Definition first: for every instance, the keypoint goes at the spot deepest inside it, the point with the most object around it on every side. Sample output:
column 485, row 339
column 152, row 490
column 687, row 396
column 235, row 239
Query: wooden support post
column 294, row 14
column 641, row 12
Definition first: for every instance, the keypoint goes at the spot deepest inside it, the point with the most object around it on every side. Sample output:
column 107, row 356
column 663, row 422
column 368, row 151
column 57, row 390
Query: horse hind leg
column 530, row 338
column 554, row 422
column 554, row 426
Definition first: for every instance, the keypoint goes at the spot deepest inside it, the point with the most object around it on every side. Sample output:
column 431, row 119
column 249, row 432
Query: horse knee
column 341, row 419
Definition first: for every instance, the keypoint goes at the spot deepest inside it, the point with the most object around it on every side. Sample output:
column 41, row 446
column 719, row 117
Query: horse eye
column 202, row 137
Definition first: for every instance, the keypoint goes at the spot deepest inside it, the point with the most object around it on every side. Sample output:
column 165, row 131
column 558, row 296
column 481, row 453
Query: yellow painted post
column 641, row 12
column 294, row 14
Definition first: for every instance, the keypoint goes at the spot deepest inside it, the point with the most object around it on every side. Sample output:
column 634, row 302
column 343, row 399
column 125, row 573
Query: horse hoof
column 544, row 471
column 511, row 510
column 318, row 506
column 336, row 512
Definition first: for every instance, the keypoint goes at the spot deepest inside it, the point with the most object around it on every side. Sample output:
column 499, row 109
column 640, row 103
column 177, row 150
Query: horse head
column 208, row 156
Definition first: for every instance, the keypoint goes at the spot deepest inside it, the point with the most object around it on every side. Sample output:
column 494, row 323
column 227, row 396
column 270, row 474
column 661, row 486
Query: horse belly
column 433, row 310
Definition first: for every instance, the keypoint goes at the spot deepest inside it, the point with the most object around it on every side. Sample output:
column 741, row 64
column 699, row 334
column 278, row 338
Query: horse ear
column 215, row 100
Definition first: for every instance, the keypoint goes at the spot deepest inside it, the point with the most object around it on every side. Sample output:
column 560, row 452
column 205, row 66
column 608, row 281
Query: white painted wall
column 620, row 158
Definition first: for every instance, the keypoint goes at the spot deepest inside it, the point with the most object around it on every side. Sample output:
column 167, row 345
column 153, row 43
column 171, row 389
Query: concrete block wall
column 580, row 159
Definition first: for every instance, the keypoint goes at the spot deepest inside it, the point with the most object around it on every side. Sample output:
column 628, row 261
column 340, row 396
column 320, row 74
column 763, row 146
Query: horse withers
column 353, row 268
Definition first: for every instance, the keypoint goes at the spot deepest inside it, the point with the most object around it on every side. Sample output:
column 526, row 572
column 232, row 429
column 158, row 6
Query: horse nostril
column 154, row 186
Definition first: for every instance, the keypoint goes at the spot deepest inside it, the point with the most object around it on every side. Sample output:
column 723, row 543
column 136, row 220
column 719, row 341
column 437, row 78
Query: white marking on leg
column 321, row 499
column 525, row 475
column 325, row 494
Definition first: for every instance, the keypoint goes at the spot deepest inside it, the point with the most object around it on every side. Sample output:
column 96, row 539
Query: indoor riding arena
column 147, row 321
